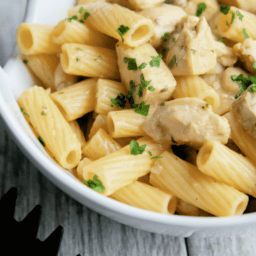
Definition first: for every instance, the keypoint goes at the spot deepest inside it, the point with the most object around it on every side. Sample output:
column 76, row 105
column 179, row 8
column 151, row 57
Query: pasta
column 137, row 98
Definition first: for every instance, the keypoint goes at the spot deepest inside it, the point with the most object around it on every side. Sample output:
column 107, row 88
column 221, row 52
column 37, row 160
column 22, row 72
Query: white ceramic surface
column 15, row 78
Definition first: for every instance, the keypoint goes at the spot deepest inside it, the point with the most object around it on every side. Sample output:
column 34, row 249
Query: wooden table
column 85, row 231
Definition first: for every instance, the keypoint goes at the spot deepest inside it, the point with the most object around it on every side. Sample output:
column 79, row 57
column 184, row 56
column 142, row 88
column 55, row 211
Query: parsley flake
column 165, row 36
column 122, row 30
column 25, row 61
column 201, row 8
column 221, row 39
column 95, row 184
column 21, row 109
column 86, row 15
column 79, row 49
column 81, row 9
column 252, row 88
column 173, row 61
column 239, row 15
column 77, row 59
column 245, row 33
column 81, row 20
column 142, row 108
column 150, row 153
column 144, row 84
column 132, row 63
column 254, row 65
column 41, row 140
column 136, row 149
column 156, row 157
column 155, row 62
column 74, row 17
column 142, row 65
column 233, row 17
column 151, row 88
column 162, row 104
column 224, row 9
column 119, row 101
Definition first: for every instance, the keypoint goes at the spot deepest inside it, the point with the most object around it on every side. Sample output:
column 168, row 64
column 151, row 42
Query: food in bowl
column 144, row 73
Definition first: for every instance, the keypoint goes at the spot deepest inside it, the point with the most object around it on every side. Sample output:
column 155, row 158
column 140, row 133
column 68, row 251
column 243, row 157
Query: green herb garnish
column 142, row 65
column 74, row 17
column 151, row 88
column 86, row 15
column 239, row 15
column 165, row 36
column 25, row 61
column 142, row 108
column 156, row 157
column 233, row 17
column 41, row 140
column 77, row 59
column 224, row 9
column 245, row 33
column 122, row 30
column 150, row 153
column 155, row 62
column 253, row 88
column 132, row 64
column 221, row 39
column 143, row 84
column 254, row 65
column 201, row 8
column 173, row 61
column 136, row 149
column 95, row 184
column 81, row 9
column 119, row 101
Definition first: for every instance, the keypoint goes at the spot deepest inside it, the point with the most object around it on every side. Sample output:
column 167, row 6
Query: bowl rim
column 79, row 191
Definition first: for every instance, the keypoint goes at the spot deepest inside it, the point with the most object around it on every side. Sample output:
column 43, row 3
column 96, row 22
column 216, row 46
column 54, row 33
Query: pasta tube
column 195, row 86
column 105, row 91
column 76, row 32
column 242, row 139
column 224, row 164
column 100, row 145
column 77, row 130
column 189, row 184
column 120, row 168
column 55, row 132
column 36, row 39
column 91, row 61
column 119, row 22
column 146, row 197
column 43, row 66
column 126, row 123
column 76, row 100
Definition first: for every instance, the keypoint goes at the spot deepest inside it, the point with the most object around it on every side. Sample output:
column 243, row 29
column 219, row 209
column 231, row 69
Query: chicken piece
column 193, row 53
column 188, row 121
column 246, row 51
column 165, row 17
column 244, row 110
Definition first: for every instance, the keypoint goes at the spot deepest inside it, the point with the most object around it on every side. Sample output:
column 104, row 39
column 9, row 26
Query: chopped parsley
column 239, row 15
column 81, row 20
column 244, row 82
column 142, row 65
column 155, row 62
column 79, row 49
column 221, row 39
column 150, row 153
column 245, row 33
column 61, row 92
column 207, row 105
column 95, row 184
column 77, row 59
column 193, row 51
column 86, row 15
column 24, row 113
column 142, row 85
column 122, row 30
column 43, row 113
column 216, row 27
column 132, row 63
column 136, row 149
column 119, row 101
column 254, row 65
column 156, row 157
column 253, row 88
column 173, row 61
column 41, row 140
column 224, row 9
column 74, row 17
column 151, row 88
column 142, row 108
column 201, row 8
column 25, row 61
column 165, row 36
column 162, row 104
column 233, row 17
column 81, row 9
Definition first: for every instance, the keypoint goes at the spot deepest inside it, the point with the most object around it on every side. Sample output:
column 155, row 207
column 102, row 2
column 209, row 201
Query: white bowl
column 15, row 78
